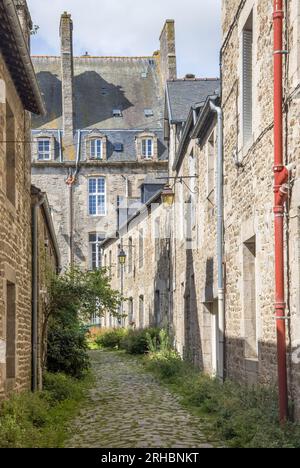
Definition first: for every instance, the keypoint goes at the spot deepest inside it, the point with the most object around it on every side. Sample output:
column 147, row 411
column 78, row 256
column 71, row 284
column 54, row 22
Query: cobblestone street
column 127, row 408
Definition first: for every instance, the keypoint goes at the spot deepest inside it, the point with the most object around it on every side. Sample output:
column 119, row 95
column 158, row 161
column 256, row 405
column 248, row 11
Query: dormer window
column 44, row 149
column 117, row 113
column 147, row 148
column 96, row 148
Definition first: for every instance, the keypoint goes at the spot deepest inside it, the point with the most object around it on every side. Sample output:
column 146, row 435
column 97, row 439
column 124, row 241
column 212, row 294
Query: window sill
column 97, row 216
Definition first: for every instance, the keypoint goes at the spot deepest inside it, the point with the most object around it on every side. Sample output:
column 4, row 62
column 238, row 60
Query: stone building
column 101, row 141
column 144, row 277
column 19, row 95
column 193, row 310
column 247, row 101
column 161, row 278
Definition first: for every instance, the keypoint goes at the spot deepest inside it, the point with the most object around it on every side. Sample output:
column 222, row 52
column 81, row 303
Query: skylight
column 118, row 147
column 148, row 112
column 117, row 113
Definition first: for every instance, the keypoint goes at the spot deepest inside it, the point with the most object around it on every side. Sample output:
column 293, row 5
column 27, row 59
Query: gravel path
column 128, row 408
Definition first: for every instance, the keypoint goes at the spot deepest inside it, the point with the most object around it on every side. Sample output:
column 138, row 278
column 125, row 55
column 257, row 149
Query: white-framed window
column 147, row 148
column 44, row 149
column 95, row 250
column 96, row 148
column 97, row 196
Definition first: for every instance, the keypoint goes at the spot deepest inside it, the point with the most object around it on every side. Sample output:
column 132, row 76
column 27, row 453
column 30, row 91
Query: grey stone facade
column 116, row 100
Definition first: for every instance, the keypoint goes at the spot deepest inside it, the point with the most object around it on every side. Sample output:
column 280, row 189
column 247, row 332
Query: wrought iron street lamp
column 167, row 195
column 122, row 257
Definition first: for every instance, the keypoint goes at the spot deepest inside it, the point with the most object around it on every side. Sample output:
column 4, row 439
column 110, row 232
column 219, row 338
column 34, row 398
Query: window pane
column 44, row 149
column 92, row 205
column 92, row 185
column 97, row 200
column 101, row 185
column 101, row 204
column 96, row 149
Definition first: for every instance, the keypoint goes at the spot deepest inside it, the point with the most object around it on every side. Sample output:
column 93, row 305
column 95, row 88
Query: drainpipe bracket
column 281, row 52
column 279, row 14
column 278, row 168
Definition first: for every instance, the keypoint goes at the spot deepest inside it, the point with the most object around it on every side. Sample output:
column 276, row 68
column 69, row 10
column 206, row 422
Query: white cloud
column 132, row 27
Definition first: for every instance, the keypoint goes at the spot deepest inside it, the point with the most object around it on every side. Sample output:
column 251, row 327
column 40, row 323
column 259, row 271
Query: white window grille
column 97, row 196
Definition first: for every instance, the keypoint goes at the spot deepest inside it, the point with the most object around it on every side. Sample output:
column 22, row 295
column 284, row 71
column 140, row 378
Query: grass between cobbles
column 41, row 420
column 238, row 415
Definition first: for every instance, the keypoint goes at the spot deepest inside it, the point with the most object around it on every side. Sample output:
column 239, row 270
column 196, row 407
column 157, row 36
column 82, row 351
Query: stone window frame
column 88, row 140
column 44, row 136
column 139, row 146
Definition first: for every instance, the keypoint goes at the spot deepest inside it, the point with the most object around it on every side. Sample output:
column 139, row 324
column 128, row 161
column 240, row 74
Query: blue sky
column 132, row 27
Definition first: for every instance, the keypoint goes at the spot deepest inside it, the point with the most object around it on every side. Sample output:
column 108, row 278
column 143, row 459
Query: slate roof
column 181, row 95
column 102, row 84
column 15, row 53
column 127, row 138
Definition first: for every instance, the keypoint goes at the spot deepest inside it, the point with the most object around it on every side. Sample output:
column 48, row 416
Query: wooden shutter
column 247, row 84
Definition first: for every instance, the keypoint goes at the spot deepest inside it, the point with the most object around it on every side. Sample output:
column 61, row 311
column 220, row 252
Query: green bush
column 239, row 415
column 41, row 419
column 111, row 338
column 67, row 348
column 137, row 341
column 59, row 387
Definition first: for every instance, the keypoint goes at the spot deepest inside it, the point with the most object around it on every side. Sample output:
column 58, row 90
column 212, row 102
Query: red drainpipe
column 281, row 174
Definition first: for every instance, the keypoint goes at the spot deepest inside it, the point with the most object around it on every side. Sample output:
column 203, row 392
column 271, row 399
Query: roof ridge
column 153, row 57
column 192, row 80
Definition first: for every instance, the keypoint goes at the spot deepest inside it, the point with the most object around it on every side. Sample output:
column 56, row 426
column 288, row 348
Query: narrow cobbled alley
column 127, row 408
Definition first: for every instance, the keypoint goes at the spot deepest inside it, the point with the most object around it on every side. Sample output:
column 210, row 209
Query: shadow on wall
column 193, row 351
column 50, row 87
column 159, row 314
column 94, row 100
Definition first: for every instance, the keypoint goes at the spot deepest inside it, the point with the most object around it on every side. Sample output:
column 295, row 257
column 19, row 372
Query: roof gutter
column 182, row 144
column 24, row 52
column 202, row 118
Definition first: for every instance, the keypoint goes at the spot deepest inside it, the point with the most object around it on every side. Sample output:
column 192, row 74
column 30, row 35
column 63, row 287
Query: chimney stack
column 167, row 52
column 67, row 78
column 24, row 18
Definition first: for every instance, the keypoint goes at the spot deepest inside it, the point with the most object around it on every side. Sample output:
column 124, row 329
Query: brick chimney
column 167, row 52
column 67, row 78
column 24, row 18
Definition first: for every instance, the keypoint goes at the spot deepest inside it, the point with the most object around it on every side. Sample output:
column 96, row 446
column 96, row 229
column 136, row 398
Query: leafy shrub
column 41, row 419
column 111, row 338
column 74, row 296
column 243, row 416
column 67, row 348
column 59, row 387
column 137, row 341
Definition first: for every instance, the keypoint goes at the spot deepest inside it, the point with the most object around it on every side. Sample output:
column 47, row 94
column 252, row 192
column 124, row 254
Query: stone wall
column 52, row 178
column 193, row 253
column 15, row 242
column 249, row 195
column 146, row 272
